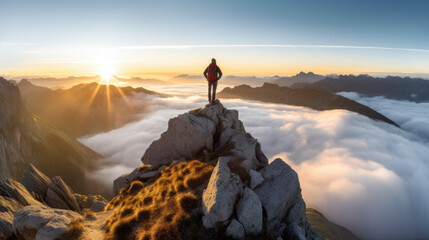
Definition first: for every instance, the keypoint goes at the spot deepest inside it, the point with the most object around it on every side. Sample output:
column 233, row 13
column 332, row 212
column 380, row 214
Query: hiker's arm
column 205, row 72
column 220, row 73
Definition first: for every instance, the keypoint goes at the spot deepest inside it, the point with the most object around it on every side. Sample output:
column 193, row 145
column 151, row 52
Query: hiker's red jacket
column 208, row 73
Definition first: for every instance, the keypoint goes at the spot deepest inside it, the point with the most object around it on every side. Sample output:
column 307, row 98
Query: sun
column 106, row 71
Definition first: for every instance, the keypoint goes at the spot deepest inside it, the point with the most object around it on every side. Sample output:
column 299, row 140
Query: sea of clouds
column 368, row 176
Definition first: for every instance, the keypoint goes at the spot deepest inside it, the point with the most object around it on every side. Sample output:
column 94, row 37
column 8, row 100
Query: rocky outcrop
column 15, row 190
column 186, row 134
column 245, row 195
column 60, row 195
column 39, row 222
column 35, row 181
column 13, row 196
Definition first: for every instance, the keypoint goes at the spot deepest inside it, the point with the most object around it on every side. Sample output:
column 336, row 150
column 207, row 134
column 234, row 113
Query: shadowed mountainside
column 400, row 88
column 85, row 108
column 26, row 138
column 326, row 228
column 307, row 97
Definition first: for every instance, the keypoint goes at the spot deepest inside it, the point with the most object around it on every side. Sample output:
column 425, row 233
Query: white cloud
column 368, row 176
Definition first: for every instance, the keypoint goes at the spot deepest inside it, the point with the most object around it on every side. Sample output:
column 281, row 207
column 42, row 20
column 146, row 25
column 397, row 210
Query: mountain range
column 86, row 108
column 400, row 88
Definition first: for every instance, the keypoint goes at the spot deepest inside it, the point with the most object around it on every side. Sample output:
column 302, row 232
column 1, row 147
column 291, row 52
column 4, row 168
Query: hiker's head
column 213, row 60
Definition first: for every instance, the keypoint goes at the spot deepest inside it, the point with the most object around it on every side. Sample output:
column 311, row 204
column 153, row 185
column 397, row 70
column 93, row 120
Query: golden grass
column 162, row 210
column 90, row 215
column 74, row 231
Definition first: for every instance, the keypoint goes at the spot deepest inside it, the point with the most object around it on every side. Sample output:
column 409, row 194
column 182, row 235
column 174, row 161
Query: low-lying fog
column 369, row 176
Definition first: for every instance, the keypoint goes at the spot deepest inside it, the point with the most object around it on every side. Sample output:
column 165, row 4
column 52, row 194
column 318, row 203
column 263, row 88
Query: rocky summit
column 204, row 178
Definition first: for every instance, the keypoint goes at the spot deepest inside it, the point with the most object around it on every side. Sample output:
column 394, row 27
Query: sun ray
column 127, row 101
column 109, row 104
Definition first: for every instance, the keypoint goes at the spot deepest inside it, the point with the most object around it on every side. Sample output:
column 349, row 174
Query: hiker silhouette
column 212, row 74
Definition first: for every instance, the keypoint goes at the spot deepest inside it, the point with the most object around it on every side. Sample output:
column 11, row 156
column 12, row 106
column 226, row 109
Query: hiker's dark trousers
column 214, row 84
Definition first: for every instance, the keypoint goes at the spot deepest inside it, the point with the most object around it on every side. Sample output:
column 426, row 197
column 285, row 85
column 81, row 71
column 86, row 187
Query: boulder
column 40, row 222
column 245, row 146
column 98, row 206
column 235, row 230
column 255, row 178
column 280, row 191
column 35, row 181
column 60, row 195
column 249, row 212
column 186, row 134
column 222, row 191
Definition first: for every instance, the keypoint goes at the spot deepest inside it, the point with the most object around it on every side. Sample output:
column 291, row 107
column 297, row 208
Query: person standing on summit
column 212, row 74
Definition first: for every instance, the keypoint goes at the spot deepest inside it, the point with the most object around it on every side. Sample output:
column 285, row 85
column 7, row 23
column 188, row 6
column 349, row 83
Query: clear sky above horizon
column 247, row 37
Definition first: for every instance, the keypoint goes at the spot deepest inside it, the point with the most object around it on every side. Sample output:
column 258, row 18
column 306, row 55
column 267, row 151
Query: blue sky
column 47, row 33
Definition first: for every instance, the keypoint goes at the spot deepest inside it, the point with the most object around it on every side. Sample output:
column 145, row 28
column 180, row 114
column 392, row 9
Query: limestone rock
column 244, row 146
column 35, row 181
column 255, row 178
column 280, row 191
column 222, row 191
column 235, row 230
column 39, row 222
column 61, row 196
column 249, row 212
column 185, row 135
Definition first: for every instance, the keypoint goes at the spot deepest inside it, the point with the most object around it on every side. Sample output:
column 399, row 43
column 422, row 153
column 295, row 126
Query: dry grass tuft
column 143, row 167
column 162, row 209
column 90, row 215
column 74, row 231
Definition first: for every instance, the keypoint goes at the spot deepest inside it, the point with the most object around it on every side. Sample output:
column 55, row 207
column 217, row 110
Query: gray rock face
column 280, row 191
column 192, row 132
column 255, row 178
column 249, row 212
column 35, row 181
column 220, row 195
column 235, row 230
column 38, row 222
column 186, row 134
column 59, row 195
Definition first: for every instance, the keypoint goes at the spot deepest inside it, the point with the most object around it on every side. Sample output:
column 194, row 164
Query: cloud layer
column 368, row 176
column 411, row 116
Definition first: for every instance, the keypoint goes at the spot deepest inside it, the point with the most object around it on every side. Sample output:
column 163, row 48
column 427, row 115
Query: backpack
column 212, row 73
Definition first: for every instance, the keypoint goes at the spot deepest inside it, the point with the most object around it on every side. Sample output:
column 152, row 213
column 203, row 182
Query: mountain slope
column 26, row 138
column 85, row 108
column 307, row 97
column 328, row 229
column 400, row 88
